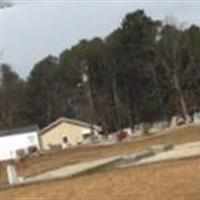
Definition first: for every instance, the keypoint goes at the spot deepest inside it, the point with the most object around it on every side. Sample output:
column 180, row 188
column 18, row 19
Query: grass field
column 167, row 181
column 32, row 166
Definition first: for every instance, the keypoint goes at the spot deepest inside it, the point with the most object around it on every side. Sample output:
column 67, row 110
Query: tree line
column 143, row 71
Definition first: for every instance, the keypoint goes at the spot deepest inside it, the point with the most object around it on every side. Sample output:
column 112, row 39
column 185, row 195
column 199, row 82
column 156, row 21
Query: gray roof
column 17, row 131
column 70, row 121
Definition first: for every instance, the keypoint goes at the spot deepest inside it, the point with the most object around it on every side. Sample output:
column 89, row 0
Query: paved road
column 72, row 170
column 178, row 152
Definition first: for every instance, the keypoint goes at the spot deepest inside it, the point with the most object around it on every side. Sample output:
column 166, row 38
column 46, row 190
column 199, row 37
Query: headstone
column 188, row 119
column 196, row 117
column 128, row 130
column 141, row 129
column 158, row 126
column 177, row 121
column 173, row 123
column 12, row 174
column 95, row 139
column 138, row 129
column 112, row 137
column 180, row 121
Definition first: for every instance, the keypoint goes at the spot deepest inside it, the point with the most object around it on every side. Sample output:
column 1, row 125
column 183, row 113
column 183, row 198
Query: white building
column 15, row 140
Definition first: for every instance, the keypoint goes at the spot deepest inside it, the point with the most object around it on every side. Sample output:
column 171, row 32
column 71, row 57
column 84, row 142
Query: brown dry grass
column 50, row 161
column 2, row 174
column 177, row 180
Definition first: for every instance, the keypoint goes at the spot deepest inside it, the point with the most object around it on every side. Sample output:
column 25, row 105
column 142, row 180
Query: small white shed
column 14, row 140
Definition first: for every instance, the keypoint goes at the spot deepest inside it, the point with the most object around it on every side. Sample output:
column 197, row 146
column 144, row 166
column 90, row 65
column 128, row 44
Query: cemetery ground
column 35, row 165
column 116, row 182
column 167, row 180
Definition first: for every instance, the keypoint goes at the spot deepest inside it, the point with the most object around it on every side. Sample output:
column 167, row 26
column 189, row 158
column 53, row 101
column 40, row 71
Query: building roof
column 17, row 131
column 70, row 121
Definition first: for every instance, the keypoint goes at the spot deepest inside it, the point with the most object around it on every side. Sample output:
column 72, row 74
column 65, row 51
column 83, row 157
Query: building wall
column 10, row 144
column 74, row 134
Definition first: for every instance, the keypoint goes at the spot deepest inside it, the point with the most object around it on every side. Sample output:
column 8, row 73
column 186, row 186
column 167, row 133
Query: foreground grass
column 166, row 181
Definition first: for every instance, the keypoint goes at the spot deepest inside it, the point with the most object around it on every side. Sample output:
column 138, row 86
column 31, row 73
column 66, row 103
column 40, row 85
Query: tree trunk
column 116, row 102
column 181, row 96
column 158, row 92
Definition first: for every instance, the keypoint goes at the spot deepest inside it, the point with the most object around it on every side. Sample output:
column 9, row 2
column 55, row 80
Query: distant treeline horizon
column 146, row 70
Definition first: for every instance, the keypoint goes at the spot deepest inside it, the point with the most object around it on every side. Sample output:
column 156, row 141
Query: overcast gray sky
column 32, row 30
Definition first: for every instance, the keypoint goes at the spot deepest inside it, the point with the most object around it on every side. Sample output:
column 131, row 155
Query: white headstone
column 196, row 117
column 180, row 121
column 12, row 174
column 173, row 123
column 138, row 129
column 188, row 119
